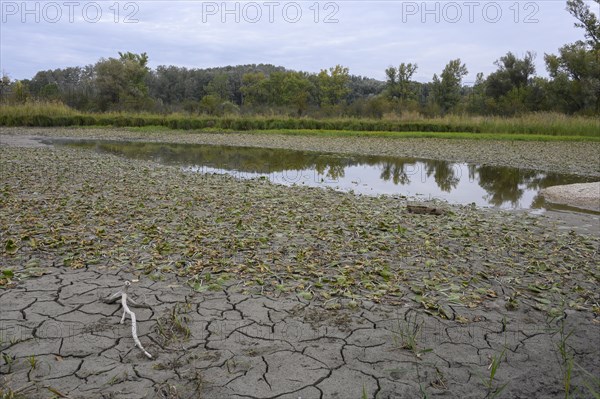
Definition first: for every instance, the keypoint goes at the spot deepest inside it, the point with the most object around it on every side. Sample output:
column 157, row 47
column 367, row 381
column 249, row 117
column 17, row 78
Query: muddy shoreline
column 560, row 157
column 250, row 283
column 586, row 196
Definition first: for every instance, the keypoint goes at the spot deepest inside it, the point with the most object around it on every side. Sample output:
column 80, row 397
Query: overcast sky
column 366, row 37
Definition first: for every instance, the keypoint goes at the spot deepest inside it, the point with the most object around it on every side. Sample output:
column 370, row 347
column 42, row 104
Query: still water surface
column 455, row 182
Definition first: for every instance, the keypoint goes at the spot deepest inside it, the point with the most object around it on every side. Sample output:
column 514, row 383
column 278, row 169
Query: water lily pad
column 10, row 246
column 305, row 295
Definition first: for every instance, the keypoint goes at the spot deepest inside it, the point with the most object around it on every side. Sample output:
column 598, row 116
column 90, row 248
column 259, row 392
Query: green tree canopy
column 512, row 73
column 447, row 90
column 587, row 20
column 333, row 85
column 121, row 82
column 219, row 87
column 576, row 69
column 254, row 88
column 399, row 85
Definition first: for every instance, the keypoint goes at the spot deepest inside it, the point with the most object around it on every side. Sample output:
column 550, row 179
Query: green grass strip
column 531, row 127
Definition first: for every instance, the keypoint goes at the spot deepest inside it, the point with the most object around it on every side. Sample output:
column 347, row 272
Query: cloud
column 367, row 37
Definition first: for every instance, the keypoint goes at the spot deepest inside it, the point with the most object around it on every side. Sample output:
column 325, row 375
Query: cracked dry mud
column 253, row 346
column 70, row 245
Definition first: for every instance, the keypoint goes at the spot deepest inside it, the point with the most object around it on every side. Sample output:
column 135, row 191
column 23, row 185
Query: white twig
column 127, row 311
column 113, row 297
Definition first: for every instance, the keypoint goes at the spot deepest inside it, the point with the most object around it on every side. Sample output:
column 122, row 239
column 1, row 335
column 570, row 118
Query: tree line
column 127, row 83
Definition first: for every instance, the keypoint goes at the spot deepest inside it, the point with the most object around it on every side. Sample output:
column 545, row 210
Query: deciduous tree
column 399, row 85
column 332, row 85
column 575, row 71
column 447, row 89
column 121, row 82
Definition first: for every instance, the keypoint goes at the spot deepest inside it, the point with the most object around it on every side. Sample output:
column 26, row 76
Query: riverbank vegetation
column 539, row 126
column 124, row 91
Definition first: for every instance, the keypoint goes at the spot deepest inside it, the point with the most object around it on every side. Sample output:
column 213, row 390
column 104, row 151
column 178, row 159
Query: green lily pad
column 10, row 246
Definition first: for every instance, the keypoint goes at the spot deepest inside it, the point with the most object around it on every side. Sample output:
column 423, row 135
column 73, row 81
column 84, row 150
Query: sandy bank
column 582, row 195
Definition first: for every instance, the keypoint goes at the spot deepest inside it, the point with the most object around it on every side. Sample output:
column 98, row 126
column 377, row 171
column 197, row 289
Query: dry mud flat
column 63, row 342
column 262, row 291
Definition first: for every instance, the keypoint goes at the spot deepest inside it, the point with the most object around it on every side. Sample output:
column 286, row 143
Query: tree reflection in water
column 501, row 185
column 444, row 174
column 396, row 170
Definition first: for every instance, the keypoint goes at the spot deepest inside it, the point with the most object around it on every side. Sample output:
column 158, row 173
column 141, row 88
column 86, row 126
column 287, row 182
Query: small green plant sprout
column 180, row 320
column 493, row 389
column 364, row 392
column 8, row 360
column 173, row 326
column 567, row 360
column 114, row 380
column 33, row 362
column 512, row 303
column 408, row 334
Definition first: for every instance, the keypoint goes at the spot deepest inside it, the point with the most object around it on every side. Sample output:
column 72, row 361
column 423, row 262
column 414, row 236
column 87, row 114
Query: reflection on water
column 455, row 182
